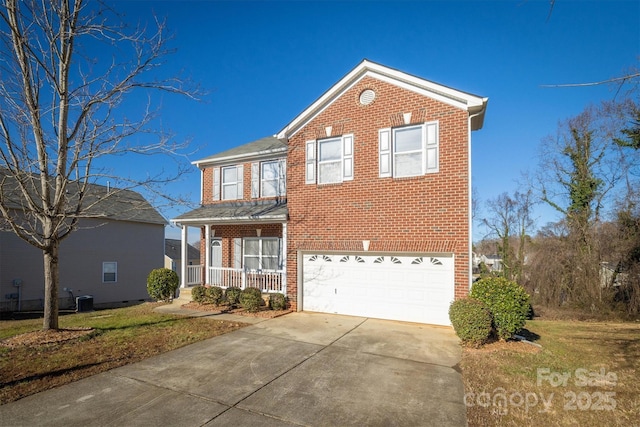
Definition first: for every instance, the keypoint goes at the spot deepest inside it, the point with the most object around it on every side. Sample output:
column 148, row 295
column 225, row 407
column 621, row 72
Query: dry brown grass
column 118, row 337
column 606, row 354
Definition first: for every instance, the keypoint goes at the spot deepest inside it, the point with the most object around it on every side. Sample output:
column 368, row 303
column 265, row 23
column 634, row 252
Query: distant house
column 173, row 255
column 109, row 256
column 492, row 262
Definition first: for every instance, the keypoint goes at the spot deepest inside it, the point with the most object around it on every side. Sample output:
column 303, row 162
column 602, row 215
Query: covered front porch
column 242, row 244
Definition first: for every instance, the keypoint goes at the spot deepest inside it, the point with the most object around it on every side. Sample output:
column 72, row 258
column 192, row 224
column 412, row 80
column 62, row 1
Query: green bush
column 507, row 301
column 214, row 295
column 471, row 319
column 277, row 302
column 162, row 284
column 251, row 299
column 198, row 294
column 232, row 295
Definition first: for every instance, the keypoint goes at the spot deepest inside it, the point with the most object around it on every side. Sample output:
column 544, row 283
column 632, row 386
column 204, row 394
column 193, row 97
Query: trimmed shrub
column 198, row 294
column 232, row 295
column 471, row 319
column 277, row 302
column 214, row 295
column 162, row 284
column 507, row 301
column 251, row 299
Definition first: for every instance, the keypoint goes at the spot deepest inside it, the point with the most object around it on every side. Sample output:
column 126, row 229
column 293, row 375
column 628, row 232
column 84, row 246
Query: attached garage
column 413, row 288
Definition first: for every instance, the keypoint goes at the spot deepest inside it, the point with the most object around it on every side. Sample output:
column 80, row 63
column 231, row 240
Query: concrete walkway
column 302, row 369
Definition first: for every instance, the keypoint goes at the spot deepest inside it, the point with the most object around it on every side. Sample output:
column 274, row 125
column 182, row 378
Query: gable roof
column 173, row 249
column 473, row 104
column 262, row 148
column 100, row 201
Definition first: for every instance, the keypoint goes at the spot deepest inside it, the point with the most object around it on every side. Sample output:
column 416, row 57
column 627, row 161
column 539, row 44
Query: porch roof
column 236, row 212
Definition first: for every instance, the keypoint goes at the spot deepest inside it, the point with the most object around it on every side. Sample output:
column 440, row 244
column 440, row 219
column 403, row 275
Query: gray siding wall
column 137, row 248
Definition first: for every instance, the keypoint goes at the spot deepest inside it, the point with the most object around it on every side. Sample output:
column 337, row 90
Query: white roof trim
column 456, row 98
column 246, row 157
column 230, row 220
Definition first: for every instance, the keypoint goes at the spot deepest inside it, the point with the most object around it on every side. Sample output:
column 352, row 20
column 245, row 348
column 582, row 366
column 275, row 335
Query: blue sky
column 264, row 62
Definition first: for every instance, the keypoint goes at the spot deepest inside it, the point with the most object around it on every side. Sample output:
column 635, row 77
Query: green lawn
column 585, row 374
column 119, row 337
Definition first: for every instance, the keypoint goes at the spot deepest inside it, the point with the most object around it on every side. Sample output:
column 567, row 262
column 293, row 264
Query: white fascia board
column 229, row 220
column 415, row 84
column 246, row 157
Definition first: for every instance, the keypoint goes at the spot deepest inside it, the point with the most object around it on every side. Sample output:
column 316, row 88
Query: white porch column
column 284, row 254
column 183, row 256
column 207, row 253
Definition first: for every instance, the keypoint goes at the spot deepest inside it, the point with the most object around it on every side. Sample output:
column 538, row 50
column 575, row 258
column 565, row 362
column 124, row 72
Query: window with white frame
column 409, row 150
column 268, row 179
column 109, row 272
column 227, row 183
column 262, row 254
column 331, row 158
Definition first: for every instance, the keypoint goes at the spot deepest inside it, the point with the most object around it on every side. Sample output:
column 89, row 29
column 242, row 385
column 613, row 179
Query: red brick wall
column 207, row 185
column 422, row 214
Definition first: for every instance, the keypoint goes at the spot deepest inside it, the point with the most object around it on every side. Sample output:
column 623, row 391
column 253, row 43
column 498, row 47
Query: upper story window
column 227, row 183
column 332, row 158
column 409, row 150
column 268, row 179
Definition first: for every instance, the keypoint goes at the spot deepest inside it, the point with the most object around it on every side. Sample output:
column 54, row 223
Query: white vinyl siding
column 333, row 160
column 409, row 150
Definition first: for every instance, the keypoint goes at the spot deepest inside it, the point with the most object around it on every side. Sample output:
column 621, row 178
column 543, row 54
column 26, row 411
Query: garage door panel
column 411, row 288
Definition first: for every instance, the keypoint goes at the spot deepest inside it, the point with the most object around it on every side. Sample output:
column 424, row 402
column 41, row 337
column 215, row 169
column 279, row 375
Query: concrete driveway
column 301, row 369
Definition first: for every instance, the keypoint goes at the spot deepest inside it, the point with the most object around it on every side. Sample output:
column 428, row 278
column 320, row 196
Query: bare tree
column 580, row 169
column 60, row 114
column 510, row 221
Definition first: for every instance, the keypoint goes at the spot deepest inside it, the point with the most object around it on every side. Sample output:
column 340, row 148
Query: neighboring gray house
column 109, row 256
column 173, row 255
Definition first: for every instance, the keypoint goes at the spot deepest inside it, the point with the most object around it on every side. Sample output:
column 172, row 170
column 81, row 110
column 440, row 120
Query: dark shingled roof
column 237, row 212
column 99, row 201
column 261, row 146
column 173, row 249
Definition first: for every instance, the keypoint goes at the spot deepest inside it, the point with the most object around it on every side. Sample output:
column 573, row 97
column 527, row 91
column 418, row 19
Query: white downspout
column 470, row 189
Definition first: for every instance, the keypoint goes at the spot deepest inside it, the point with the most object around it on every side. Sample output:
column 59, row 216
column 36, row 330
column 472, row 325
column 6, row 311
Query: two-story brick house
column 359, row 206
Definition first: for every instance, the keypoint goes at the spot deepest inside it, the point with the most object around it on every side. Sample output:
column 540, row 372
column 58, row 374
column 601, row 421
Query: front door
column 215, row 274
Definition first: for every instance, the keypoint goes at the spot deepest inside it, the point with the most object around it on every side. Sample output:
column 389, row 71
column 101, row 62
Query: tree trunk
column 51, row 281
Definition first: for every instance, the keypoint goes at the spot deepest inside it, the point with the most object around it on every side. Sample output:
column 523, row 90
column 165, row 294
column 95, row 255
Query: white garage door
column 409, row 288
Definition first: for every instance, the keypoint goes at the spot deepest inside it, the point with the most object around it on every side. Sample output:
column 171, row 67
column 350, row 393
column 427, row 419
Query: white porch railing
column 266, row 281
column 194, row 275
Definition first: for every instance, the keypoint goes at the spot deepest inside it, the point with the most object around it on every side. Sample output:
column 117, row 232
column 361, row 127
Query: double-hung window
column 409, row 150
column 268, row 179
column 227, row 183
column 109, row 272
column 332, row 158
column 262, row 254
